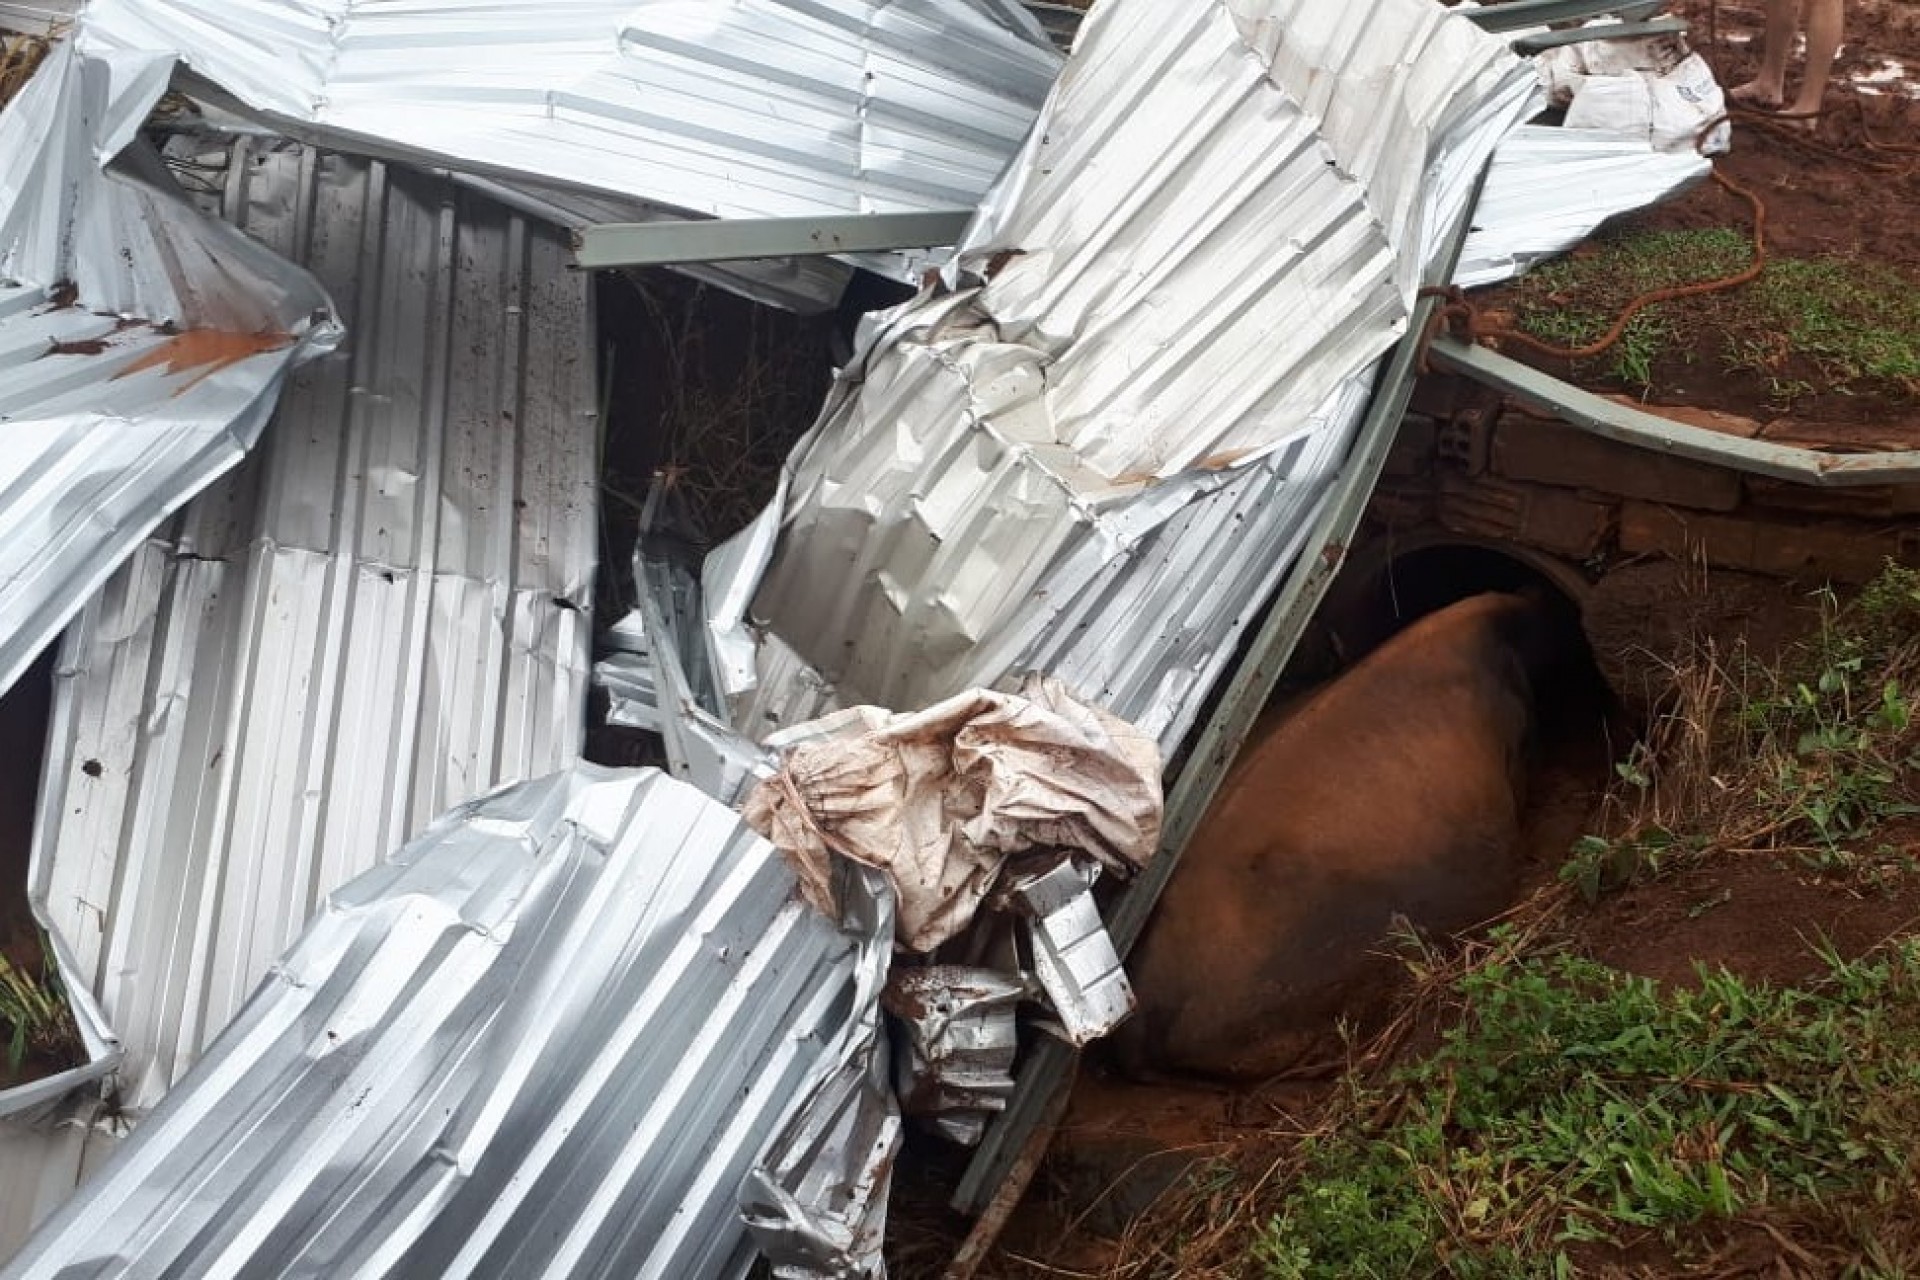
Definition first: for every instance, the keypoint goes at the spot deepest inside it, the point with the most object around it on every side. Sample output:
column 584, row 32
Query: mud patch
column 1761, row 916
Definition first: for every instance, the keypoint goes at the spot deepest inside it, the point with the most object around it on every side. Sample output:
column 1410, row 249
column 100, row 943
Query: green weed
column 1809, row 755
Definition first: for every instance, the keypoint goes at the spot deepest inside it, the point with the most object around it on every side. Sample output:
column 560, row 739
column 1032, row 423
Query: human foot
column 1803, row 115
column 1760, row 93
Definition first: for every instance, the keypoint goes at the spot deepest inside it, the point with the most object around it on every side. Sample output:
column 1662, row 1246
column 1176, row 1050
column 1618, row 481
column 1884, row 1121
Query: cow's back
column 1394, row 790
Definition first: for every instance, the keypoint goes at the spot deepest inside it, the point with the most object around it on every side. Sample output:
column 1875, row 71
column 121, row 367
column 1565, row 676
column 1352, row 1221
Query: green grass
column 1854, row 319
column 34, row 1017
column 1849, row 320
column 1810, row 755
column 1572, row 1103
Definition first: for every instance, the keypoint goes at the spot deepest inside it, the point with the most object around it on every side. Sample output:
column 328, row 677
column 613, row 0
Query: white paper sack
column 939, row 799
column 1652, row 88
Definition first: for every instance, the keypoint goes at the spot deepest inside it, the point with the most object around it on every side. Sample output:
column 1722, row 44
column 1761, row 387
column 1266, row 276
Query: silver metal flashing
column 143, row 345
column 381, row 614
column 37, row 17
column 1519, row 15
column 1539, row 42
column 806, row 285
column 779, row 109
column 1074, row 959
column 549, row 1038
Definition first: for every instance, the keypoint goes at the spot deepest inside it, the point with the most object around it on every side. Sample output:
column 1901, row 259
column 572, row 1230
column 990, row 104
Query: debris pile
column 303, row 430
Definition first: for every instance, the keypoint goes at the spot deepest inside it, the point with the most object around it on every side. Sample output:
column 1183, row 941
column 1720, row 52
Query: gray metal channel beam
column 648, row 244
column 1048, row 1074
column 1533, row 44
column 1544, row 393
column 1534, row 13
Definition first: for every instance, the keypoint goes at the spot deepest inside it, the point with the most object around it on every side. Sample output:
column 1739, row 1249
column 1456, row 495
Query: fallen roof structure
column 380, row 614
column 1549, row 188
column 378, row 617
column 1147, row 395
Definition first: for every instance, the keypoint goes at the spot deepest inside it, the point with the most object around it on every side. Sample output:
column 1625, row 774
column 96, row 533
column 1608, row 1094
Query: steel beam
column 1519, row 14
column 1530, row 45
column 648, row 244
column 1546, row 394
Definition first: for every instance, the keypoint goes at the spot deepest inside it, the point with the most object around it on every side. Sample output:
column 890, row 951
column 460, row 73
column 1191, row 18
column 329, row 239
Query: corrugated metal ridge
column 780, row 108
column 381, row 614
column 549, row 1038
column 1189, row 276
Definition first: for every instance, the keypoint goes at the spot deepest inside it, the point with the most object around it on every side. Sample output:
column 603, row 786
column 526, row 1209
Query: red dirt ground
column 1850, row 189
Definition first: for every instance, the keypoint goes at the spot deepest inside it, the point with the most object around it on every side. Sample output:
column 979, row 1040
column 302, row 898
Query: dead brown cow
column 1394, row 790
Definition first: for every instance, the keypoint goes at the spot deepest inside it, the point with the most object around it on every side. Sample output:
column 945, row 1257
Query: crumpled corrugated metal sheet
column 960, row 1038
column 550, row 1037
column 381, row 614
column 771, row 108
column 1095, row 462
column 1549, row 188
column 143, row 344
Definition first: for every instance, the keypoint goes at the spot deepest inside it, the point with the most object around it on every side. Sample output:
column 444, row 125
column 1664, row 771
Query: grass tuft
column 34, row 1018
column 1573, row 1105
column 1810, row 755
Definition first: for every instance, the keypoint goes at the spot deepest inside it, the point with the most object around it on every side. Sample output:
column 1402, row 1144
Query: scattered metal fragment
column 961, row 1038
column 1074, row 959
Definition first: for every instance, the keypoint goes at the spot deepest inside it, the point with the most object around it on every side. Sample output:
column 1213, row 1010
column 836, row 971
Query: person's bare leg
column 1823, row 42
column 1769, row 88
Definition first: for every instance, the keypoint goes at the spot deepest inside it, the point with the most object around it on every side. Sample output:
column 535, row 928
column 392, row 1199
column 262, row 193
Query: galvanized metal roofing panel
column 551, row 1037
column 773, row 108
column 1086, row 456
column 1549, row 188
column 41, row 1163
column 142, row 346
column 379, row 615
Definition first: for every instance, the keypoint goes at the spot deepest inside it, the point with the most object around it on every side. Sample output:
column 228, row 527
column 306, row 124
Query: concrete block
column 1804, row 548
column 1548, row 452
column 1553, row 519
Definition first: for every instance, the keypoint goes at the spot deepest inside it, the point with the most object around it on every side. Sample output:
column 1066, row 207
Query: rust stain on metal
column 1222, row 460
column 207, row 350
